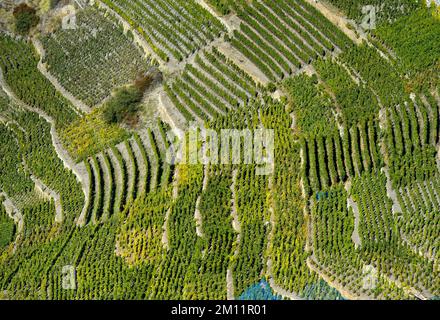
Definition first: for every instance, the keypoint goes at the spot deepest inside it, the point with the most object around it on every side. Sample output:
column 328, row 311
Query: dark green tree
column 25, row 18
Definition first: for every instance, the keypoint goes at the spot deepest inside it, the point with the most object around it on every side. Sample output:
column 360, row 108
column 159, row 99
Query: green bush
column 123, row 103
column 25, row 18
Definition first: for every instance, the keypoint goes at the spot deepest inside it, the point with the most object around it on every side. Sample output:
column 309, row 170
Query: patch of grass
column 91, row 134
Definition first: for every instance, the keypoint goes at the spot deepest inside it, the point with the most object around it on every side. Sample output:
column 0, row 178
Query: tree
column 124, row 102
column 25, row 18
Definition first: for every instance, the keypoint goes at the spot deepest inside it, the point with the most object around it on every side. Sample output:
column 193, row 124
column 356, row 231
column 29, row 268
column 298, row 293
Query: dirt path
column 382, row 119
column 355, row 236
column 198, row 218
column 169, row 113
column 391, row 193
column 78, row 104
column 205, row 177
column 241, row 61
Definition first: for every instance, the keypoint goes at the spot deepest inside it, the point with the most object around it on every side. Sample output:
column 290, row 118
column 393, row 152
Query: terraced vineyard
column 171, row 28
column 112, row 185
column 125, row 172
column 211, row 87
column 19, row 67
column 281, row 37
column 96, row 49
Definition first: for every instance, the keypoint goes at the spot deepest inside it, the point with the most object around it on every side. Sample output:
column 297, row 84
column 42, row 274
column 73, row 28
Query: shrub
column 25, row 18
column 123, row 103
